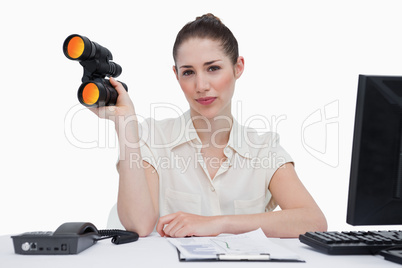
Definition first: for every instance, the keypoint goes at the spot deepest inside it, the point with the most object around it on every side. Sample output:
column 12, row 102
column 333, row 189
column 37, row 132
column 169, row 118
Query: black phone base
column 69, row 238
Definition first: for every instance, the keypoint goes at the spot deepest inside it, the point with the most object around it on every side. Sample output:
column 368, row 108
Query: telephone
column 69, row 238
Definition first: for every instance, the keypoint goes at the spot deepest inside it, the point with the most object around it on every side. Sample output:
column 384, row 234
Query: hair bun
column 208, row 26
column 208, row 16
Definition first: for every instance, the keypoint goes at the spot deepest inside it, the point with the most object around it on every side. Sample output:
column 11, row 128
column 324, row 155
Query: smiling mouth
column 206, row 101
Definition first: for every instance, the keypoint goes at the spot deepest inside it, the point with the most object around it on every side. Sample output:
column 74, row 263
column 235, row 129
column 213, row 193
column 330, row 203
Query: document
column 251, row 246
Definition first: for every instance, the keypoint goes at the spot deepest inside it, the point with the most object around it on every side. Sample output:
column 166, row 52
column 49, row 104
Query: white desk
column 155, row 251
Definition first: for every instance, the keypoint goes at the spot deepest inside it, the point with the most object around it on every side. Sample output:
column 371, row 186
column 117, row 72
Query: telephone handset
column 69, row 238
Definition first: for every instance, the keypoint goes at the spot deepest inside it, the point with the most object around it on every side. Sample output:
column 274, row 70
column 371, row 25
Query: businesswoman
column 203, row 173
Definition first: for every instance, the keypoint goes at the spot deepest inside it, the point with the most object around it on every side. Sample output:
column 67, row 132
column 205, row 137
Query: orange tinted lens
column 90, row 94
column 75, row 47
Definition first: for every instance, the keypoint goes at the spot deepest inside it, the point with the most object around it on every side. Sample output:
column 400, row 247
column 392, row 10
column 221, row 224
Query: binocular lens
column 78, row 47
column 90, row 94
column 75, row 47
column 98, row 93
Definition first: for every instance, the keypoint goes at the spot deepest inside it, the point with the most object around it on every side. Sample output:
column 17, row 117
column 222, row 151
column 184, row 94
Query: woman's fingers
column 105, row 112
column 117, row 85
column 124, row 106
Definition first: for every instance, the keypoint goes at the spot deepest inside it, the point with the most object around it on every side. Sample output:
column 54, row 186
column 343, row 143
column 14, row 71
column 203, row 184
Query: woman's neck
column 213, row 131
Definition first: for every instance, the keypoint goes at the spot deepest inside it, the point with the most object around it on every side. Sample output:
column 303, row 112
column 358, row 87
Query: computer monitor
column 375, row 189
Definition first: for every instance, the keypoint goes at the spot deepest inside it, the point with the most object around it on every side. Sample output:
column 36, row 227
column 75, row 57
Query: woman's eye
column 213, row 68
column 187, row 72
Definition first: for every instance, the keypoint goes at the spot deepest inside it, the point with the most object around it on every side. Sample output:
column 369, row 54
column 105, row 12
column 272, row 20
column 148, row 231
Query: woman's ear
column 175, row 72
column 239, row 67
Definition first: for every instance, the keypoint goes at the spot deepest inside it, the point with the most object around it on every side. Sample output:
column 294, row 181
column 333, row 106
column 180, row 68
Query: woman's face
column 207, row 76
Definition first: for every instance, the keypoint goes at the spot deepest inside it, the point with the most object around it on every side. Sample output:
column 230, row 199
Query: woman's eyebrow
column 205, row 64
column 210, row 62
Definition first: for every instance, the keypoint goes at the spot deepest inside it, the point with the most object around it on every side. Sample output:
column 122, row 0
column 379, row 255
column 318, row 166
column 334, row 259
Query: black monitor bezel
column 358, row 212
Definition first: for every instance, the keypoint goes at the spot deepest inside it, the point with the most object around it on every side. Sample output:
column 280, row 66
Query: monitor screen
column 375, row 188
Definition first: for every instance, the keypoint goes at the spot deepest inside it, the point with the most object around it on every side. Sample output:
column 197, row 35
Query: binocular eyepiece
column 95, row 90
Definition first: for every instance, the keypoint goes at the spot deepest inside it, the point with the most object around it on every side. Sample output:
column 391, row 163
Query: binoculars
column 95, row 90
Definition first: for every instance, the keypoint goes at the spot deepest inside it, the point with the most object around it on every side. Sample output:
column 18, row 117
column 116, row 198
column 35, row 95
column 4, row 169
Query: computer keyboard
column 386, row 243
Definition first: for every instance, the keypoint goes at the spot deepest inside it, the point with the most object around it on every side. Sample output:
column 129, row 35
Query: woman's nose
column 202, row 83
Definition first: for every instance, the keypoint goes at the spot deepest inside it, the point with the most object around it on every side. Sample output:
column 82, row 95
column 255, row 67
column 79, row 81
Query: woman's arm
column 299, row 214
column 137, row 203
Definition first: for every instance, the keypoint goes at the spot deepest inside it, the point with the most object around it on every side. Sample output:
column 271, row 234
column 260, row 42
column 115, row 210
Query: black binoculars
column 95, row 90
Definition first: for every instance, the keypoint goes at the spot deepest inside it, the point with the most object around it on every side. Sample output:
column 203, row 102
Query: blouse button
column 212, row 189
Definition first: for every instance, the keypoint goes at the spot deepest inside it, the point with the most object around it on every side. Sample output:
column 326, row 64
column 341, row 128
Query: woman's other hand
column 181, row 224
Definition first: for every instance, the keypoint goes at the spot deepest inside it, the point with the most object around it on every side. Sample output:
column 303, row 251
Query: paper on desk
column 251, row 243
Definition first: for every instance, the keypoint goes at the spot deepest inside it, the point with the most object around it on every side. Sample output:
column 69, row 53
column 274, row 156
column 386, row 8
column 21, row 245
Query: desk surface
column 154, row 251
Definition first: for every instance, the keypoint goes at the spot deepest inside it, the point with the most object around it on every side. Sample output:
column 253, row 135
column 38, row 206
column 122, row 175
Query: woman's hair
column 211, row 27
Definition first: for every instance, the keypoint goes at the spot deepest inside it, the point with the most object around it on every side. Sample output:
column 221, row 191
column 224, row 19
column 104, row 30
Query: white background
column 58, row 159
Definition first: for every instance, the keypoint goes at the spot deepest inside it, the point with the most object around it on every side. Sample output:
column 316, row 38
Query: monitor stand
column 394, row 255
